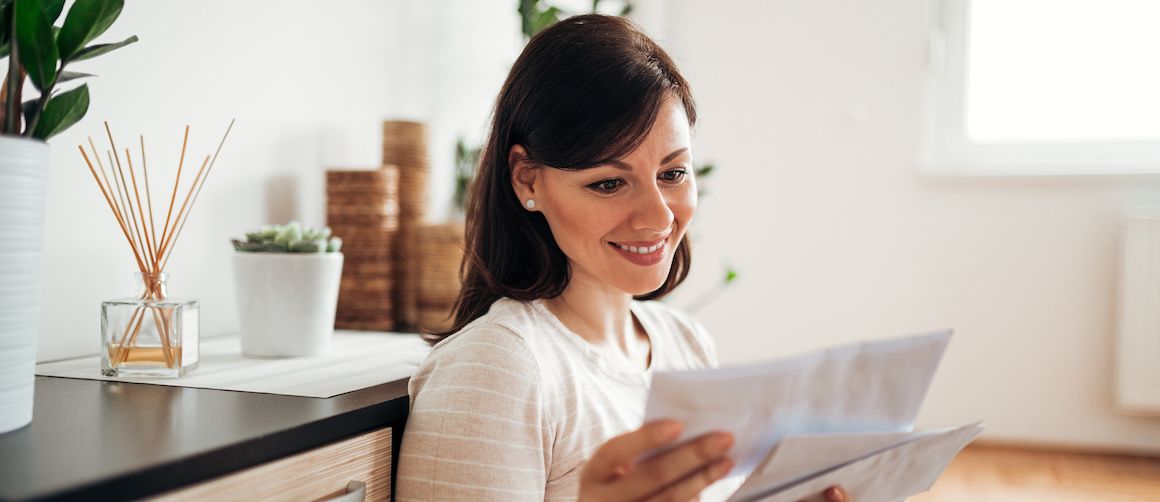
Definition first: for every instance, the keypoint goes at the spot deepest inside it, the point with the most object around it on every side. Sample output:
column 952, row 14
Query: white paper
column 867, row 387
column 798, row 457
column 894, row 473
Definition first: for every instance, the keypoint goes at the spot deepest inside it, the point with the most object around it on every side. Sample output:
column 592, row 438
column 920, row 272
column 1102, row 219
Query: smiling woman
column 576, row 222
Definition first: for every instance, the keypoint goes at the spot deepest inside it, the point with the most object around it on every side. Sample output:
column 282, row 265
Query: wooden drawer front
column 318, row 474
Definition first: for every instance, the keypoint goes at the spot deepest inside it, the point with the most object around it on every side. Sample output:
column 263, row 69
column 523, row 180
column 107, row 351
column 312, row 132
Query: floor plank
column 990, row 473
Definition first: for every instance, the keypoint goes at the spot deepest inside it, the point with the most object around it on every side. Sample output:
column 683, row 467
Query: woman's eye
column 606, row 186
column 674, row 175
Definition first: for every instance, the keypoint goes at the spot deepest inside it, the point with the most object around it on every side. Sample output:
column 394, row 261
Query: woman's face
column 619, row 224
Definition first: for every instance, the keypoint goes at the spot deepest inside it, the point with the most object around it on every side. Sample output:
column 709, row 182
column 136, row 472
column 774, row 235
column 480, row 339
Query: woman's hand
column 613, row 473
column 836, row 494
column 679, row 474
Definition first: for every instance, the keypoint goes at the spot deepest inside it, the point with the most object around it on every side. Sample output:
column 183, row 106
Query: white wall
column 308, row 82
column 810, row 108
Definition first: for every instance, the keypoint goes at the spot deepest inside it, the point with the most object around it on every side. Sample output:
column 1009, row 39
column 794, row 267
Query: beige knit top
column 511, row 406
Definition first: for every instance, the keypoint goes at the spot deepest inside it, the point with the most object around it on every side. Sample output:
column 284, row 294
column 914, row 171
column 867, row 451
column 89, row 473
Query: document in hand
column 839, row 416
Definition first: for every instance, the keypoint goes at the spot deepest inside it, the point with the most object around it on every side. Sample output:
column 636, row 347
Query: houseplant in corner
column 41, row 53
column 286, row 279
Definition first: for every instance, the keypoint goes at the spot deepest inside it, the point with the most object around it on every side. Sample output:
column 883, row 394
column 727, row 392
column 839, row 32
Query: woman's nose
column 652, row 211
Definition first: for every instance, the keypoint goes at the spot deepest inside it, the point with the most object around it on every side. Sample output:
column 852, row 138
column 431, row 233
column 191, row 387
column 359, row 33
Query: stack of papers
column 843, row 416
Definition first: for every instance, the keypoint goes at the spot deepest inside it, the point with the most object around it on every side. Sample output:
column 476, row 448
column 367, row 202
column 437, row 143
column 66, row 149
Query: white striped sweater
column 510, row 407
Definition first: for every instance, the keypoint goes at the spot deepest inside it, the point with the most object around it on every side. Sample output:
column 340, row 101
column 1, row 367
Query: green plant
column 42, row 52
column 466, row 160
column 536, row 15
column 289, row 238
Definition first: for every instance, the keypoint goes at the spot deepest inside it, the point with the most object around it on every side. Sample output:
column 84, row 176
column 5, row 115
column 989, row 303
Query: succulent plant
column 289, row 238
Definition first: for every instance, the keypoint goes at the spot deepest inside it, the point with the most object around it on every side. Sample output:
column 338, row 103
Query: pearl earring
column 531, row 203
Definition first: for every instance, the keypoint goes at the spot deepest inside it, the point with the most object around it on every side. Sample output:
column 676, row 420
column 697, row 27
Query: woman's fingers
column 691, row 486
column 687, row 461
column 617, row 457
column 836, row 494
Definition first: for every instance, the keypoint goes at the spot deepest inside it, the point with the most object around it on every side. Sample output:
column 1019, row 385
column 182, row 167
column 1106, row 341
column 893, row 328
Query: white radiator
column 1138, row 340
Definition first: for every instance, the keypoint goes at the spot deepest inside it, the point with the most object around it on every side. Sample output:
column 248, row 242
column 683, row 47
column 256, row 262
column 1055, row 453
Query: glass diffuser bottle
column 149, row 334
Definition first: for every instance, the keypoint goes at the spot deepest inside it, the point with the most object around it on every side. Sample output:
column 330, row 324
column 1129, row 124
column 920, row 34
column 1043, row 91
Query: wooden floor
column 987, row 473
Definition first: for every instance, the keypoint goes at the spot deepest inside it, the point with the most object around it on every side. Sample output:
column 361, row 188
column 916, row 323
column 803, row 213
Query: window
column 1018, row 87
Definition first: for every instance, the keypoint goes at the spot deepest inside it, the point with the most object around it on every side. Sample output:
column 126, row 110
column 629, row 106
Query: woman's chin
column 643, row 287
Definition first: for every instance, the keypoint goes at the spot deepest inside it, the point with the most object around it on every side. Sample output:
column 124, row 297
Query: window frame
column 946, row 148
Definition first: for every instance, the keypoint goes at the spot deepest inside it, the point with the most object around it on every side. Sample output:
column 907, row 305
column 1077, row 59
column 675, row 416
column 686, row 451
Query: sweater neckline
column 615, row 367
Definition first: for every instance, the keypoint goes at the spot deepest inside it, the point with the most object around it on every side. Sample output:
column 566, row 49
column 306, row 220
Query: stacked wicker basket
column 439, row 250
column 405, row 146
column 363, row 209
column 400, row 273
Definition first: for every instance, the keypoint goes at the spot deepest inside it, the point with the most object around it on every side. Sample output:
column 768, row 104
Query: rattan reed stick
column 195, row 195
column 112, row 206
column 165, row 246
column 176, row 181
column 149, row 201
column 149, row 251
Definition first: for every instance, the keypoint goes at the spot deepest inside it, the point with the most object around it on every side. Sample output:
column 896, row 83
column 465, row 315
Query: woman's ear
column 525, row 174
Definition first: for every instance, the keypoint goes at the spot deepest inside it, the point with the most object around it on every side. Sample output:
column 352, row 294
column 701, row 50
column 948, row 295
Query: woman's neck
column 602, row 317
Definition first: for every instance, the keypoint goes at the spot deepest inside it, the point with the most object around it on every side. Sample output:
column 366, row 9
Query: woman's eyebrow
column 668, row 158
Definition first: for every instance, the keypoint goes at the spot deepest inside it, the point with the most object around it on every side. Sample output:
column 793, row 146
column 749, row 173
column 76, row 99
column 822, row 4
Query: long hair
column 583, row 93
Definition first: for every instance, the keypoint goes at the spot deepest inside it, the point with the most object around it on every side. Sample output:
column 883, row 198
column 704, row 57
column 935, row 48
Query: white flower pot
column 286, row 302
column 23, row 185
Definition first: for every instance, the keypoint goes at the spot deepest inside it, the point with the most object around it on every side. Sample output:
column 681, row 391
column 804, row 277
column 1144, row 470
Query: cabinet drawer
column 318, row 474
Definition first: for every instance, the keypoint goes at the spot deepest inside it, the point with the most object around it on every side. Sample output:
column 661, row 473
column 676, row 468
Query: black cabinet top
column 92, row 439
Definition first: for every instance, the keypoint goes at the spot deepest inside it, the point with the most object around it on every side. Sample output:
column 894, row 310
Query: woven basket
column 405, row 146
column 439, row 253
column 362, row 208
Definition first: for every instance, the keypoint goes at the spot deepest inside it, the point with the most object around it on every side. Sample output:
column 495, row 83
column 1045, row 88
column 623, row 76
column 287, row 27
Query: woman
column 577, row 217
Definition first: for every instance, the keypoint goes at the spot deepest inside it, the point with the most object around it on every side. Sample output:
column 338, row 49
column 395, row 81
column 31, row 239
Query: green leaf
column 62, row 111
column 66, row 76
column 703, row 170
column 528, row 10
column 34, row 40
column 86, row 20
column 730, row 275
column 27, row 108
column 5, row 49
column 52, row 9
column 93, row 51
column 5, row 21
column 626, row 10
column 546, row 18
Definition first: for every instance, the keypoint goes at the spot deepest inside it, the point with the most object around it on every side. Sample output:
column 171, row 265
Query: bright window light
column 1062, row 71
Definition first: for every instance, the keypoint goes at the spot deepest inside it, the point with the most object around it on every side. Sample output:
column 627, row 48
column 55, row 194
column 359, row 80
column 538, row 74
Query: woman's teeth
column 641, row 250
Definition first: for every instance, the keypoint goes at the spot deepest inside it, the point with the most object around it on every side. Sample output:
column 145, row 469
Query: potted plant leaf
column 42, row 53
column 286, row 279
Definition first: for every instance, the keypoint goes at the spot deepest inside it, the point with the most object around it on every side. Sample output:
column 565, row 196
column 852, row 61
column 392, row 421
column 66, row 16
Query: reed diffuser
column 150, row 333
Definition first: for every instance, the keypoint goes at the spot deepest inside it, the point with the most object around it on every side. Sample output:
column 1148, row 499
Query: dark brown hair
column 583, row 93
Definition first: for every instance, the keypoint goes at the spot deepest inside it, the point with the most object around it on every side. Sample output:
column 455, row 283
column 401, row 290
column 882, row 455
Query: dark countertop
column 92, row 439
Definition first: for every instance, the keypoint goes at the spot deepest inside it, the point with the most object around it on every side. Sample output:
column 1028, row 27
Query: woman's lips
column 643, row 253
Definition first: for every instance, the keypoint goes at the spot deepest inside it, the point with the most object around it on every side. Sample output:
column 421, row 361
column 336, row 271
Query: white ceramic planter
column 23, row 185
column 286, row 302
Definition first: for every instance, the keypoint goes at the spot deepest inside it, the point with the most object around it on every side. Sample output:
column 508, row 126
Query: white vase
column 23, row 185
column 286, row 302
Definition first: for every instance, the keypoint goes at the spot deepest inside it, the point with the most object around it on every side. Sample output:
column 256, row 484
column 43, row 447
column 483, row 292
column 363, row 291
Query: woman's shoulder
column 490, row 354
column 506, row 322
column 690, row 335
column 503, row 327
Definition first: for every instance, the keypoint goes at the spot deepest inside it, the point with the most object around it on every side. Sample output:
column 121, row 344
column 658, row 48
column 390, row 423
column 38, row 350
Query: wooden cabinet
column 94, row 440
column 319, row 474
